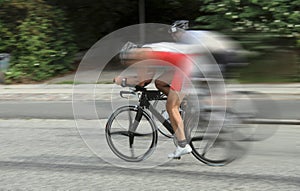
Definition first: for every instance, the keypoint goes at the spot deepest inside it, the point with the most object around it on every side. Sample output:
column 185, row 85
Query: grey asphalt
column 62, row 154
column 289, row 110
column 56, row 99
column 41, row 154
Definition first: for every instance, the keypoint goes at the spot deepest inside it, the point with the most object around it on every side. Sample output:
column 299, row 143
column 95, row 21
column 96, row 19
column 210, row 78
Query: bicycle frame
column 203, row 151
column 144, row 102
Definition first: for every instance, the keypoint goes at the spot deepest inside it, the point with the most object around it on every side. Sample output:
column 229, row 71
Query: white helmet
column 180, row 24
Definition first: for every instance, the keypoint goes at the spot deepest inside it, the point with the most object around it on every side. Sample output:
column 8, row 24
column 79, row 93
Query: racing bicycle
column 132, row 130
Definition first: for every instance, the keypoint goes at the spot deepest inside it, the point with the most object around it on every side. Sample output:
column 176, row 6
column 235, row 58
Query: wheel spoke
column 125, row 133
column 135, row 134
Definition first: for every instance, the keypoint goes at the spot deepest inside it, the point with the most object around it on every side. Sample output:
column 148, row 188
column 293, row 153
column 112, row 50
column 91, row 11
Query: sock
column 182, row 143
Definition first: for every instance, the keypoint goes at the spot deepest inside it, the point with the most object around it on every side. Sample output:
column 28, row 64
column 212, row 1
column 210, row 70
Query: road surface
column 288, row 109
column 40, row 154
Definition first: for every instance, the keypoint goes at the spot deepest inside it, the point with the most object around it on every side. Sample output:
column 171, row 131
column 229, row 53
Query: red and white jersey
column 188, row 49
column 179, row 56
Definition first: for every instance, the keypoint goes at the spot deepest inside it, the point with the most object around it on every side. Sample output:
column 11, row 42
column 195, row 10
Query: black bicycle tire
column 201, row 158
column 110, row 142
column 208, row 161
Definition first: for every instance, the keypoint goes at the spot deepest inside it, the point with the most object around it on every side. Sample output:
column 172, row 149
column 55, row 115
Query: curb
column 274, row 121
column 252, row 121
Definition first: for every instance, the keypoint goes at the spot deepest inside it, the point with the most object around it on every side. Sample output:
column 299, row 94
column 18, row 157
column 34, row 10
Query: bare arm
column 144, row 74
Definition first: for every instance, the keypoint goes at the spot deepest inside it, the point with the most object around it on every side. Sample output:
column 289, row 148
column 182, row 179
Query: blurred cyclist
column 224, row 50
column 221, row 51
column 177, row 58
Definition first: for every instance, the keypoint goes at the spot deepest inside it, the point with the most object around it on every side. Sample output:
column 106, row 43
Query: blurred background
column 47, row 38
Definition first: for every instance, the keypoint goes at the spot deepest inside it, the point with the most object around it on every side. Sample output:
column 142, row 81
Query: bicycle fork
column 133, row 125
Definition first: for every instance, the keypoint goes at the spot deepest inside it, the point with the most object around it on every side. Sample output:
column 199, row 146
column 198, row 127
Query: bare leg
column 173, row 104
column 162, row 86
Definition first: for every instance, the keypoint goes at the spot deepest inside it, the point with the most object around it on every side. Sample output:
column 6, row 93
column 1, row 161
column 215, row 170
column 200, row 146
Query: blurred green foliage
column 43, row 35
column 38, row 37
column 255, row 21
column 266, row 28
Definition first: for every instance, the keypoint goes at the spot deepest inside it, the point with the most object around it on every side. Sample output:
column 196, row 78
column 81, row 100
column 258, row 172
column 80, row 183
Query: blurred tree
column 92, row 19
column 38, row 35
column 167, row 11
column 270, row 28
column 38, row 38
column 267, row 19
column 276, row 16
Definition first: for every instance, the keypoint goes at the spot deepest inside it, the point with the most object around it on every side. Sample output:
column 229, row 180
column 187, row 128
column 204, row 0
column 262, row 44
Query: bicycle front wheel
column 131, row 134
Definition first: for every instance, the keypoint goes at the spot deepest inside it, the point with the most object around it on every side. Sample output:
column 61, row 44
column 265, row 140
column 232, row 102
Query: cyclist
column 224, row 50
column 178, row 58
column 221, row 51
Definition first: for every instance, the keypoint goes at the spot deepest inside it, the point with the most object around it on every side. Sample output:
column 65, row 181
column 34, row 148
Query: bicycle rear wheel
column 211, row 146
column 131, row 134
column 251, row 107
